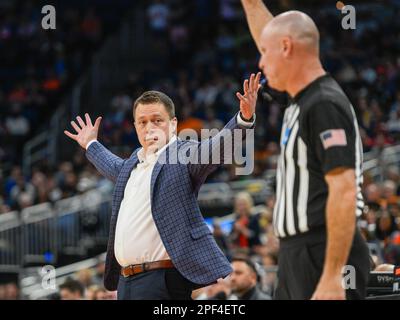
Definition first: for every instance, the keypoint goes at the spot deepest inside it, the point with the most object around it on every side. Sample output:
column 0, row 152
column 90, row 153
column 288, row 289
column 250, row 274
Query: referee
column 319, row 173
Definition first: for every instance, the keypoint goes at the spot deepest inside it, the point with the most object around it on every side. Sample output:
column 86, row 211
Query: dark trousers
column 161, row 284
column 301, row 260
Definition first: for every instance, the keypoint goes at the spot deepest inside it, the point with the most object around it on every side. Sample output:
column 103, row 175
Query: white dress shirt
column 136, row 236
column 137, row 239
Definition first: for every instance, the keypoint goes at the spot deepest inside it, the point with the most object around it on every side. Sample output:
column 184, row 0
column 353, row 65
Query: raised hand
column 249, row 99
column 85, row 132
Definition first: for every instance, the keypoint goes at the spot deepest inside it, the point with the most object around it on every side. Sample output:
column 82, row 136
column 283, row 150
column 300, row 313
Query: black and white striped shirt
column 319, row 133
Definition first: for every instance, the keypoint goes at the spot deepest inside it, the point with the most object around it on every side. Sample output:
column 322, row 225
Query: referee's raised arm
column 258, row 16
column 319, row 172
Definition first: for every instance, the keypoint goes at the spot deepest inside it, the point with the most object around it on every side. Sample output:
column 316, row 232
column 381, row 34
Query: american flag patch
column 333, row 138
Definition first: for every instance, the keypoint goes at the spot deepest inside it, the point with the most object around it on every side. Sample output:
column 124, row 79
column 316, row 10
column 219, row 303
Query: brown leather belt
column 147, row 266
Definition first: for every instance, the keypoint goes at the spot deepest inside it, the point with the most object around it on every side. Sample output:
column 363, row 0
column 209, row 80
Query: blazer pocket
column 199, row 232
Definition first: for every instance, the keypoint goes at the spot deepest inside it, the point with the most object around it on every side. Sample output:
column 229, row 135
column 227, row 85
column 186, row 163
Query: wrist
column 245, row 119
column 89, row 143
column 331, row 273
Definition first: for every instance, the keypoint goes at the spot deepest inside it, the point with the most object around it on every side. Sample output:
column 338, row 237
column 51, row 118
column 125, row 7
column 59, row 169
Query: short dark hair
column 156, row 97
column 250, row 263
column 73, row 286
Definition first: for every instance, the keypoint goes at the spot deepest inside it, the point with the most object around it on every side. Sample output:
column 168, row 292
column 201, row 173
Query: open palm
column 248, row 100
column 85, row 132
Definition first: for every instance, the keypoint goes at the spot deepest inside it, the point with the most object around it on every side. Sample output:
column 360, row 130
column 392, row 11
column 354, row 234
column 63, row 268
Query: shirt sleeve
column 90, row 142
column 331, row 135
column 244, row 123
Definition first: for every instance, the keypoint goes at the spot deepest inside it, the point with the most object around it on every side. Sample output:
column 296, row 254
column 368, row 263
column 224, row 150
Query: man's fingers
column 97, row 123
column 257, row 82
column 76, row 127
column 251, row 85
column 240, row 97
column 69, row 134
column 80, row 121
column 245, row 86
column 88, row 120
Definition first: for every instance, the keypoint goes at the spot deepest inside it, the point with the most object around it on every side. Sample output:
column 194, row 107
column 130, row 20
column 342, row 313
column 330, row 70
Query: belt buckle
column 124, row 272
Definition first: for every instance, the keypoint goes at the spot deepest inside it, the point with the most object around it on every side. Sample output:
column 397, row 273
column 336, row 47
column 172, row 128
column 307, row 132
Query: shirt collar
column 301, row 93
column 142, row 157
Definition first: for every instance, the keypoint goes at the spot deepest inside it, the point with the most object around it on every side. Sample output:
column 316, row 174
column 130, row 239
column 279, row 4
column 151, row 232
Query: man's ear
column 174, row 125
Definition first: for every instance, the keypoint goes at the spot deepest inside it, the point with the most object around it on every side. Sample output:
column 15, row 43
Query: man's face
column 272, row 61
column 69, row 295
column 243, row 277
column 153, row 125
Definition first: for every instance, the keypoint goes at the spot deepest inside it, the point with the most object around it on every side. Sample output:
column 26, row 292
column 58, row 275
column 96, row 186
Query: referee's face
column 272, row 61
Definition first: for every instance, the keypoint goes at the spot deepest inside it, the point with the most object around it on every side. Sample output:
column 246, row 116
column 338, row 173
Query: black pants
column 301, row 260
column 160, row 284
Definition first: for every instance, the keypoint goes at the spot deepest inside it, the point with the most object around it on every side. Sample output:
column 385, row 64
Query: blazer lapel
column 158, row 166
column 123, row 179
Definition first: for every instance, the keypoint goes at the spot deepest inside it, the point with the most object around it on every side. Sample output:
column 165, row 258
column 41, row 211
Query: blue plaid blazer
column 174, row 188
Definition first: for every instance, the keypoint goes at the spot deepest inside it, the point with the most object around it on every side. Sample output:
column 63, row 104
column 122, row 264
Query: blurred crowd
column 48, row 184
column 38, row 66
column 202, row 52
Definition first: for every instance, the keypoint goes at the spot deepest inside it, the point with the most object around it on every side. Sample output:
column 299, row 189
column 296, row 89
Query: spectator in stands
column 2, row 292
column 392, row 249
column 98, row 275
column 71, row 290
column 221, row 239
column 69, row 185
column 385, row 226
column 9, row 291
column 270, row 264
column 244, row 280
column 91, row 292
column 92, row 27
column 373, row 196
column 39, row 181
column 243, row 204
column 158, row 14
column 84, row 276
column 12, row 291
column 390, row 193
column 245, row 232
column 16, row 124
column 3, row 207
column 259, row 223
column 104, row 294
column 22, row 194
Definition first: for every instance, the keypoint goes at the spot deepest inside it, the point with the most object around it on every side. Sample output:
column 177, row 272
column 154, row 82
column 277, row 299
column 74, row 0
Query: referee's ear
column 287, row 47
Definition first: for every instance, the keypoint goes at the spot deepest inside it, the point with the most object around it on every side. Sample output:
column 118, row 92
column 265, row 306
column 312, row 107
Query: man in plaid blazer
column 159, row 245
